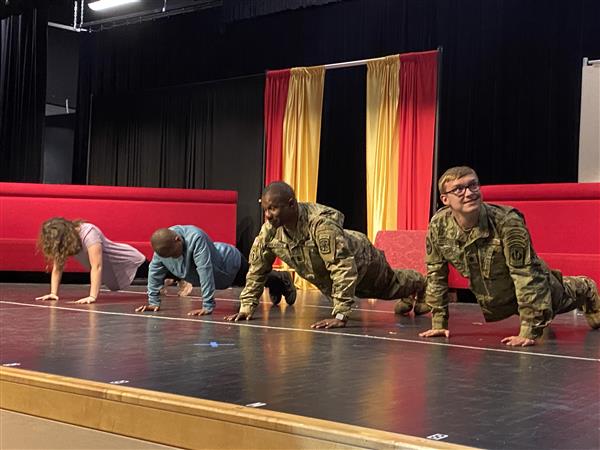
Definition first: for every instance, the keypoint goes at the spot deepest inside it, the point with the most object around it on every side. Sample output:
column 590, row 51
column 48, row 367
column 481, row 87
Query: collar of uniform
column 482, row 228
column 295, row 237
column 477, row 232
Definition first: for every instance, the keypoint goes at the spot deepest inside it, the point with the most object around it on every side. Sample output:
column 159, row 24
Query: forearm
column 344, row 277
column 55, row 280
column 534, row 302
column 529, row 276
column 207, row 286
column 342, row 306
column 156, row 277
column 436, row 291
column 255, row 285
column 436, row 295
column 261, row 263
column 95, row 280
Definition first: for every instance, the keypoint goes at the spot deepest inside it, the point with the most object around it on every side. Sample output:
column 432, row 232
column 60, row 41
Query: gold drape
column 302, row 131
column 382, row 144
column 302, row 136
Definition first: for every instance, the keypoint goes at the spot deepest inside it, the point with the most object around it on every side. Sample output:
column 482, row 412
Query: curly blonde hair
column 59, row 239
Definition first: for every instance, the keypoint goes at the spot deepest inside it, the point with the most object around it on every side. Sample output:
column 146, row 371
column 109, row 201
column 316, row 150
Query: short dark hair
column 281, row 189
column 163, row 240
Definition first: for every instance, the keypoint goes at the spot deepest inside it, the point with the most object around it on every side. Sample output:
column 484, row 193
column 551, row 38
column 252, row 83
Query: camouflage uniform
column 504, row 272
column 341, row 263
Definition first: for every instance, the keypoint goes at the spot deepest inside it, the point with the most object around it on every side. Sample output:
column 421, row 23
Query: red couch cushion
column 563, row 219
column 124, row 214
column 404, row 249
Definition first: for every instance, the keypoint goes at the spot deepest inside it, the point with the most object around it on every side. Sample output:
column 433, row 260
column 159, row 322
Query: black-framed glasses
column 460, row 190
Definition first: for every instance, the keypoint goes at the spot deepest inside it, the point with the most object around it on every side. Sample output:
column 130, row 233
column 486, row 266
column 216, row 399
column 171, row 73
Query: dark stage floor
column 375, row 373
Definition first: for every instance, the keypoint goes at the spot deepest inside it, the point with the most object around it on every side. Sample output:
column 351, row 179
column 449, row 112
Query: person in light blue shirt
column 188, row 253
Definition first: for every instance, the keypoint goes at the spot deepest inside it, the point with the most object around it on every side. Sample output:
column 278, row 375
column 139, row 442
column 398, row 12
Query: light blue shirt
column 204, row 263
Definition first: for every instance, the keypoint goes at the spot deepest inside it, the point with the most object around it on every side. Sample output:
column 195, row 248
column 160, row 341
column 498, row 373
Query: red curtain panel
column 417, row 108
column 276, row 92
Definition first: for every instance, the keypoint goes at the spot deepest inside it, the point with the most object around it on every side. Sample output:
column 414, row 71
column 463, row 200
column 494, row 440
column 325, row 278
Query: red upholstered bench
column 124, row 214
column 404, row 249
column 563, row 219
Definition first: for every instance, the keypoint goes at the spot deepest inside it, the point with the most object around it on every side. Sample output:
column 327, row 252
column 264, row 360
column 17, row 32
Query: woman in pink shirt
column 110, row 263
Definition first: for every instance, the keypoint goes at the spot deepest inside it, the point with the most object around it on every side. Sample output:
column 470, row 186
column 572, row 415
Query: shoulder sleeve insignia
column 517, row 256
column 517, row 245
column 324, row 242
column 254, row 255
column 428, row 246
column 255, row 251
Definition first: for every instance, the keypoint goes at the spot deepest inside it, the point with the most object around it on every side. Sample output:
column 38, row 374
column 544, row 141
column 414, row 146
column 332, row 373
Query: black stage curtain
column 205, row 136
column 23, row 93
column 247, row 9
column 84, row 105
column 510, row 89
column 511, row 86
column 342, row 157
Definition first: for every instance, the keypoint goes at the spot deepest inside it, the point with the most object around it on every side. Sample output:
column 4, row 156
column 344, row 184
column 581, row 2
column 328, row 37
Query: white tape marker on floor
column 256, row 404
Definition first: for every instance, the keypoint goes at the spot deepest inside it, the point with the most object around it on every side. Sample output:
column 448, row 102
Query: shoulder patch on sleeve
column 517, row 256
column 324, row 241
column 255, row 251
column 428, row 246
column 517, row 242
column 328, row 237
column 254, row 255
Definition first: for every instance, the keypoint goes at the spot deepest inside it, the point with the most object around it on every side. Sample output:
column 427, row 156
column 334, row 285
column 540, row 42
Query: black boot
column 420, row 306
column 403, row 306
column 281, row 283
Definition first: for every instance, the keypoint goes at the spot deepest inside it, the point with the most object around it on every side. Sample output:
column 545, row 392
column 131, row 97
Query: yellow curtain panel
column 302, row 136
column 302, row 131
column 382, row 144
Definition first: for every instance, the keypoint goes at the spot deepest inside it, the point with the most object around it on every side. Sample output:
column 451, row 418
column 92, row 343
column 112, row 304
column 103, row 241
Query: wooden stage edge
column 184, row 422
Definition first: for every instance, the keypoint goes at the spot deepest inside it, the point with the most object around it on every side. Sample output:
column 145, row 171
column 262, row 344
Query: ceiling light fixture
column 105, row 4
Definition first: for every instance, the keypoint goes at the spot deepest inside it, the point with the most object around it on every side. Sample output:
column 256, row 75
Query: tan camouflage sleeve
column 261, row 263
column 436, row 293
column 531, row 284
column 339, row 261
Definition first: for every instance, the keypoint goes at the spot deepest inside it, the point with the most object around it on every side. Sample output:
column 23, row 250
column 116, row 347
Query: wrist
column 93, row 296
column 438, row 322
column 342, row 317
column 528, row 331
column 248, row 310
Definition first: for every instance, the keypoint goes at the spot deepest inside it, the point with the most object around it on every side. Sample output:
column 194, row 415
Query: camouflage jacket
column 504, row 272
column 320, row 250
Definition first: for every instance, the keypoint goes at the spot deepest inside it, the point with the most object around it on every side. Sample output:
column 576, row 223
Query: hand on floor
column 144, row 308
column 88, row 299
column 238, row 316
column 50, row 297
column 329, row 323
column 200, row 312
column 435, row 333
column 517, row 341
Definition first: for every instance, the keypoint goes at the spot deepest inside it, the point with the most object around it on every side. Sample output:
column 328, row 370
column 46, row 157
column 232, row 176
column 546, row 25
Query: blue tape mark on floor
column 213, row 344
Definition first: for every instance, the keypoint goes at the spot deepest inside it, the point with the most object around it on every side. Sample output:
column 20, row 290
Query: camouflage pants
column 569, row 293
column 382, row 282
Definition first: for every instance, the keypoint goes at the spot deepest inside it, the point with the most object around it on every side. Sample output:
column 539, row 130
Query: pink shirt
column 119, row 261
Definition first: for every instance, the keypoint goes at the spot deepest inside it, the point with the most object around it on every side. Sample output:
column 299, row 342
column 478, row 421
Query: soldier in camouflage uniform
column 343, row 264
column 491, row 246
